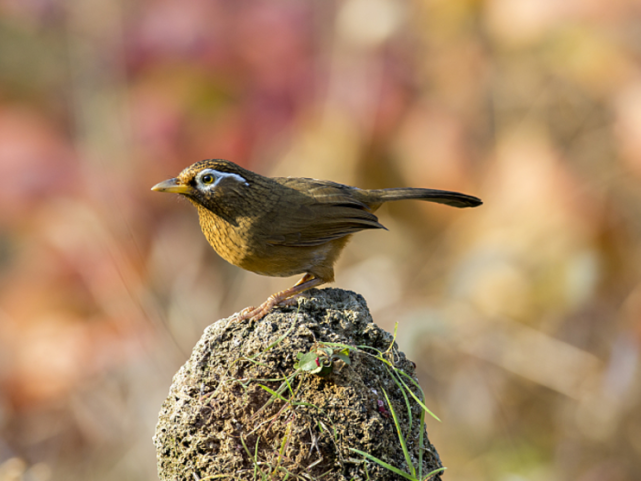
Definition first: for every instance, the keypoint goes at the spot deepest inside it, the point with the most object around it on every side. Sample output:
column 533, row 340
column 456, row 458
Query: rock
column 222, row 417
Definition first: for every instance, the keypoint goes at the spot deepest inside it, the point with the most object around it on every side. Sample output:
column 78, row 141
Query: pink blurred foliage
column 524, row 316
column 253, row 70
column 36, row 157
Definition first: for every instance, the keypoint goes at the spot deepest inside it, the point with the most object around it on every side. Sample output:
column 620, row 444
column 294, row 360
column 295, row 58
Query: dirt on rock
column 240, row 409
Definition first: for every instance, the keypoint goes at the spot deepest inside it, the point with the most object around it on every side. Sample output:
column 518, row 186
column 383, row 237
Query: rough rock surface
column 221, row 419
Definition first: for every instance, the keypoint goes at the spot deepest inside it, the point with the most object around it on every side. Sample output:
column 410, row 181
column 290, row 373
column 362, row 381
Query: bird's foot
column 257, row 313
column 288, row 297
column 245, row 313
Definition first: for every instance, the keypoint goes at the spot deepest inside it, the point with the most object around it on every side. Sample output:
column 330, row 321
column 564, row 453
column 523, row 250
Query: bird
column 285, row 226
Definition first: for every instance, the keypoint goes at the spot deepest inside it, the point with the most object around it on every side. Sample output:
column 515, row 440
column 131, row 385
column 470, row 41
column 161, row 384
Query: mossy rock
column 220, row 420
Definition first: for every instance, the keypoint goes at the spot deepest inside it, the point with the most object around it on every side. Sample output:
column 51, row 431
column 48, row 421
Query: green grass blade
column 289, row 386
column 432, row 473
column 255, row 460
column 276, row 394
column 402, row 387
column 406, row 453
column 338, row 344
column 384, row 464
column 393, row 339
column 414, row 395
column 281, row 451
column 421, row 444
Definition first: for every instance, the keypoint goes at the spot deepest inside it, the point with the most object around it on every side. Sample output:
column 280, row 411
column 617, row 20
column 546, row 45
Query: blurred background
column 523, row 315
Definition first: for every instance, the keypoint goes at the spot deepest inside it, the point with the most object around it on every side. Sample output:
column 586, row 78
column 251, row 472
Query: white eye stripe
column 218, row 175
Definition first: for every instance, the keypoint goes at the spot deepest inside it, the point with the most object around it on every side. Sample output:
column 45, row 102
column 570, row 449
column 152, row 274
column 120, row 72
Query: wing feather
column 323, row 211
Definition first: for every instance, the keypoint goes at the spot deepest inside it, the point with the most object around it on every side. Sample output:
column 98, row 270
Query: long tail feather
column 455, row 199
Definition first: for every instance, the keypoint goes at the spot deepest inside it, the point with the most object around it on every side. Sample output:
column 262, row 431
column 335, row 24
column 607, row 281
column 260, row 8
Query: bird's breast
column 240, row 245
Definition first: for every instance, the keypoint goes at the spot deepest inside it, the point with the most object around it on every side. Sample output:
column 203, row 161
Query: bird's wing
column 316, row 212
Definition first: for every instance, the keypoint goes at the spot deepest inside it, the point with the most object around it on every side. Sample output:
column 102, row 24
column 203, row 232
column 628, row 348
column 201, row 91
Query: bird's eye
column 207, row 179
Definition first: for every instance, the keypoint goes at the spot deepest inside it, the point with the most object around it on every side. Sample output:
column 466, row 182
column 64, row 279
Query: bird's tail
column 455, row 199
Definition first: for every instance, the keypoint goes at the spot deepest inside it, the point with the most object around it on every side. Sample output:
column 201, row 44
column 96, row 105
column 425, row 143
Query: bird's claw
column 257, row 313
column 245, row 314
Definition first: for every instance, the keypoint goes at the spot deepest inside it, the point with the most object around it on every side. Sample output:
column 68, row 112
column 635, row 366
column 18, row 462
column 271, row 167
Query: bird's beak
column 172, row 186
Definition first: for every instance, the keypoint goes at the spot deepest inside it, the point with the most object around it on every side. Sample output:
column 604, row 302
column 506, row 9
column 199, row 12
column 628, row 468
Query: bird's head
column 208, row 182
column 217, row 187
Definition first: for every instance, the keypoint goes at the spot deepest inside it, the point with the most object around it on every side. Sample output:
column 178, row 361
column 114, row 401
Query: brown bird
column 283, row 226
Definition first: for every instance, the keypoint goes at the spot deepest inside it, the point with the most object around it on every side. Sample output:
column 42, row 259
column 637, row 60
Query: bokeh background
column 523, row 315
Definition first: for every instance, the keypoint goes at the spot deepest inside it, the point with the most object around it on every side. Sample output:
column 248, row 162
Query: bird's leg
column 280, row 298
